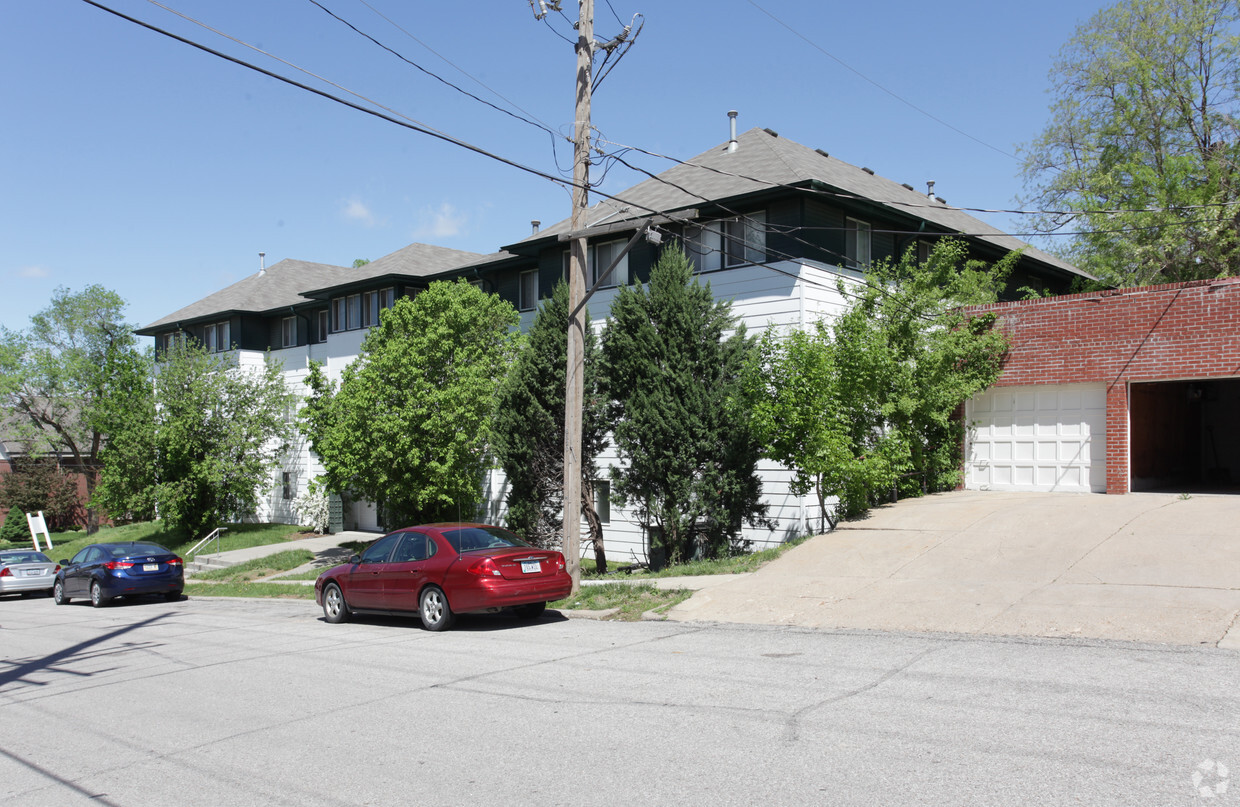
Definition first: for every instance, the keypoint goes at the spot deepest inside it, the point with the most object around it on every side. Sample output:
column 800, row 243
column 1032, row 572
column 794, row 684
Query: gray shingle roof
column 279, row 286
column 415, row 260
column 764, row 161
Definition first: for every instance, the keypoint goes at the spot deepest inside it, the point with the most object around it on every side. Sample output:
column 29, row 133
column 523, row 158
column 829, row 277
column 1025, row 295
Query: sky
column 140, row 163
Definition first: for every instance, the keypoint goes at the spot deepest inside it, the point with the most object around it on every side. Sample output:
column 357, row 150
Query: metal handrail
column 214, row 534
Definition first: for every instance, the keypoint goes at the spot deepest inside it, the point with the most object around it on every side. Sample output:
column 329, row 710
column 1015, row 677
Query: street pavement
column 218, row 701
column 1143, row 567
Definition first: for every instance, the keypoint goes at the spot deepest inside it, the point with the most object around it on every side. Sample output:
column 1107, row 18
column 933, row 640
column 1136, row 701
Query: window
column 216, row 337
column 598, row 258
column 856, row 244
column 602, row 256
column 528, row 296
column 923, row 251
column 168, row 341
column 322, row 320
column 288, row 332
column 477, row 284
column 373, row 302
column 378, row 551
column 602, row 500
column 727, row 242
column 353, row 312
column 287, row 486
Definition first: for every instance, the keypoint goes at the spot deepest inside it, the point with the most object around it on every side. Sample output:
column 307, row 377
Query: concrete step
column 205, row 563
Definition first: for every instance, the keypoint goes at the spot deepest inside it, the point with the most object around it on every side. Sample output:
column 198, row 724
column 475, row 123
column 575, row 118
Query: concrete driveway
column 1146, row 567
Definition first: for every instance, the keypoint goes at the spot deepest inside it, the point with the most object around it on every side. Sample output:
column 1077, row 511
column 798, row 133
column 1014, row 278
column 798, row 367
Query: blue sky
column 140, row 163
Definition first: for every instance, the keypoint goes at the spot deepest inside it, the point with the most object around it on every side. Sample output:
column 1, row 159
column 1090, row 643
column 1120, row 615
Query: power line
column 407, row 123
column 538, row 125
column 863, row 76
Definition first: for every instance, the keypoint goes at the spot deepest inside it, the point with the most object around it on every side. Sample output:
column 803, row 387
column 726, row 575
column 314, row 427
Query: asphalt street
column 236, row 702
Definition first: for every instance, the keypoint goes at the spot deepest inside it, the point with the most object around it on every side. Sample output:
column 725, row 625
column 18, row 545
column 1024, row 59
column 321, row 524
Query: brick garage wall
column 1179, row 331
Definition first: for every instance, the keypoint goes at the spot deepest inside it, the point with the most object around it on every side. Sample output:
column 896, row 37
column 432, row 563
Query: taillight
column 484, row 567
column 6, row 572
column 175, row 562
column 558, row 560
column 117, row 564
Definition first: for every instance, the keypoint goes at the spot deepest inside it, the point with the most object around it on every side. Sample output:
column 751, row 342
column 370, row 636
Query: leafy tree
column 216, row 433
column 358, row 263
column 1146, row 103
column 669, row 368
column 529, row 430
column 59, row 374
column 37, row 483
column 410, row 425
column 870, row 407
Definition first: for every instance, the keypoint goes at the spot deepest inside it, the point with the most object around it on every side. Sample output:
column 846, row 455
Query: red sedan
column 439, row 570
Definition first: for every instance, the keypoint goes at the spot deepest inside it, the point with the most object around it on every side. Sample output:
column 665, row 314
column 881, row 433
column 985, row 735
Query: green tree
column 869, row 408
column 58, row 376
column 1147, row 95
column 38, row 484
column 409, row 427
column 529, row 430
column 669, row 368
column 216, row 433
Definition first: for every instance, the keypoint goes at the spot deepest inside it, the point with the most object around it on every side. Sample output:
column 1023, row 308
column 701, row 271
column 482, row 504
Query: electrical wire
column 441, row 79
column 863, row 76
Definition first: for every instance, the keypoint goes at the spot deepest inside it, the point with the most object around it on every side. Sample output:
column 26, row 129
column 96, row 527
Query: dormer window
column 216, row 337
column 726, row 243
column 857, row 238
column 599, row 257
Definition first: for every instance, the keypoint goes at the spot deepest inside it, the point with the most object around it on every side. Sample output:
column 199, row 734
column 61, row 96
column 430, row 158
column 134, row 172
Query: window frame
column 527, row 299
column 288, row 331
column 853, row 228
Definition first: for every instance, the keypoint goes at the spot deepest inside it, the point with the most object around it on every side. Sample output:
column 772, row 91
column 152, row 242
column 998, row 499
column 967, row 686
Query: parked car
column 439, row 570
column 104, row 571
column 26, row 571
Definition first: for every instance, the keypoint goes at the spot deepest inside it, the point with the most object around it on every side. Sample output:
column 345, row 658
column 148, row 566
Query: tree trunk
column 596, row 526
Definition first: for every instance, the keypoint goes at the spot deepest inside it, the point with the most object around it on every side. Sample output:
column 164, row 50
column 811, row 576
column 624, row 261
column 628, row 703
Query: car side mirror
column 355, row 558
column 63, row 562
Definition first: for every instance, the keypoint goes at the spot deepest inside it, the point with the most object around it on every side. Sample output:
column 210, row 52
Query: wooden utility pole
column 576, row 294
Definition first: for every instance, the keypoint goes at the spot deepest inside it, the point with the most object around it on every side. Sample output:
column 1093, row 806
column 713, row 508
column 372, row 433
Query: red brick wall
column 1170, row 332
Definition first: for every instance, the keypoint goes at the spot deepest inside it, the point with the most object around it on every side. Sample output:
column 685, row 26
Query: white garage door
column 1049, row 438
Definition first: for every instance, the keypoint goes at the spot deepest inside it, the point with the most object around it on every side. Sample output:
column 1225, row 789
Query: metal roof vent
column 869, row 171
column 262, row 264
column 930, row 189
column 732, row 144
column 535, row 224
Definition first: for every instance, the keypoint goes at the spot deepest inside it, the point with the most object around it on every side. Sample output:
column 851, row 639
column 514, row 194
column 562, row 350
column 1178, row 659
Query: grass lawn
column 236, row 536
column 736, row 564
column 273, row 591
column 633, row 600
column 259, row 567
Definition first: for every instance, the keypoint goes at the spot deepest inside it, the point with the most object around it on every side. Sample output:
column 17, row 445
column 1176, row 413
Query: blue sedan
column 104, row 571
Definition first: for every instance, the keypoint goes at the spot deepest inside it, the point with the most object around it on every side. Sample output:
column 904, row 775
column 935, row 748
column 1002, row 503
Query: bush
column 15, row 529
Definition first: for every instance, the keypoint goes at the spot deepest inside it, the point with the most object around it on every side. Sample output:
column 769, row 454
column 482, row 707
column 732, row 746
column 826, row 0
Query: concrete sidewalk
column 327, row 551
column 1145, row 567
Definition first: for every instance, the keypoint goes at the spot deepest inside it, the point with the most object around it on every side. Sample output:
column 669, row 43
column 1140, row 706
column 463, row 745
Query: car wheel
column 335, row 609
column 96, row 595
column 58, row 593
column 173, row 596
column 434, row 610
column 531, row 610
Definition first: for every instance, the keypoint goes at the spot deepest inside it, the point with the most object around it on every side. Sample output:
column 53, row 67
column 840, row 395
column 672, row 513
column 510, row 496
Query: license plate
column 530, row 567
column 150, row 567
column 34, row 572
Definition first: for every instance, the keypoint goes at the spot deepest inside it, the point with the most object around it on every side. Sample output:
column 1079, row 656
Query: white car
column 26, row 572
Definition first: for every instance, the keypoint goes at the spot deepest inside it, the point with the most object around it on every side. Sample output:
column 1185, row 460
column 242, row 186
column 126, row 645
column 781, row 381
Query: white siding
column 795, row 296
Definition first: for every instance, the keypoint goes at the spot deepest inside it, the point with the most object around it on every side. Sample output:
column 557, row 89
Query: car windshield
column 468, row 539
column 23, row 557
column 126, row 550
